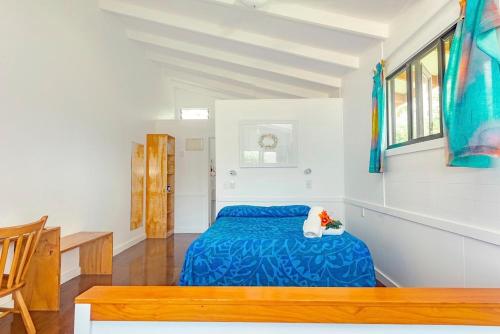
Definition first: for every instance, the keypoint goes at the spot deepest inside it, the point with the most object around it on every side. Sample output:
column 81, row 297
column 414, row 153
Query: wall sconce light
column 307, row 171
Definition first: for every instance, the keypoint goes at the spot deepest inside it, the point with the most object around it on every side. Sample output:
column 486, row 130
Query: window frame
column 407, row 67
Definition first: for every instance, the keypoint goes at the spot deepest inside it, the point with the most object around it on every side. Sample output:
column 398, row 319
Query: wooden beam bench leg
column 41, row 292
column 96, row 257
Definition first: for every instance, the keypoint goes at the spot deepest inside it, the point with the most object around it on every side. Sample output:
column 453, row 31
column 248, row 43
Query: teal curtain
column 378, row 121
column 471, row 97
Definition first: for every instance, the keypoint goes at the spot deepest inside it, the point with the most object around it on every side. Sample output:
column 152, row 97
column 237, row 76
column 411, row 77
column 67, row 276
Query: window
column 194, row 113
column 414, row 95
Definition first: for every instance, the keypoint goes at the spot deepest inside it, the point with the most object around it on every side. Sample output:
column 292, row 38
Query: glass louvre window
column 194, row 113
column 398, row 108
column 426, row 95
column 414, row 94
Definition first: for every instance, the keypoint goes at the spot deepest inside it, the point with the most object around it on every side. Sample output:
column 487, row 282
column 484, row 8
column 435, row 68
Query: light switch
column 309, row 184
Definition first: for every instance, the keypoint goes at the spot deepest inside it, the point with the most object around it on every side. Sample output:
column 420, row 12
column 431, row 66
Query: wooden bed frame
column 480, row 307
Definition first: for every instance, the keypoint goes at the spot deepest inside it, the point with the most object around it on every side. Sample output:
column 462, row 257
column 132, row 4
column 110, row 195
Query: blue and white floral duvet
column 265, row 246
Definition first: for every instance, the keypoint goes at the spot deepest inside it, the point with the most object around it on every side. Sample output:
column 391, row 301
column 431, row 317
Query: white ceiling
column 286, row 48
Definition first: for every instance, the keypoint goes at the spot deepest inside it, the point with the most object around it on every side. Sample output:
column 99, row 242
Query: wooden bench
column 43, row 280
column 96, row 251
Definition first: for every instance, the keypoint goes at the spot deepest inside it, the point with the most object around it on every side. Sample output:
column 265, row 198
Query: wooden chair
column 25, row 240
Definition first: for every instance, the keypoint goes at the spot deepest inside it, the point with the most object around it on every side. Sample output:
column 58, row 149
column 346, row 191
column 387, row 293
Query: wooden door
column 171, row 186
column 156, row 186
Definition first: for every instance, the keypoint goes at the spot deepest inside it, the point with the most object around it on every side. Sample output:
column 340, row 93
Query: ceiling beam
column 236, row 76
column 316, row 17
column 220, row 86
column 197, row 89
column 215, row 30
column 195, row 83
column 234, row 58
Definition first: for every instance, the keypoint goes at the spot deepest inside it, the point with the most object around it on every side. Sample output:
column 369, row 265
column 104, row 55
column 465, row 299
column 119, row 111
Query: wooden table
column 43, row 280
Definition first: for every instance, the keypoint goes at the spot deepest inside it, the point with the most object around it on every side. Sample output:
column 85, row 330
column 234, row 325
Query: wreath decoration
column 268, row 141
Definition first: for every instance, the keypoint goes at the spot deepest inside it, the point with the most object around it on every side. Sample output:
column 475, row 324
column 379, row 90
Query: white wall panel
column 320, row 146
column 74, row 95
column 421, row 182
column 104, row 327
column 356, row 94
column 429, row 218
column 482, row 267
column 192, row 167
column 411, row 254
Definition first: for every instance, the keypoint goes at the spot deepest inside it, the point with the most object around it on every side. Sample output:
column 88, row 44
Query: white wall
column 320, row 148
column 183, row 94
column 74, row 94
column 187, row 99
column 426, row 224
column 191, row 175
column 192, row 194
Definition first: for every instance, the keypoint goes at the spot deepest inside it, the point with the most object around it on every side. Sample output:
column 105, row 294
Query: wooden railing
column 294, row 305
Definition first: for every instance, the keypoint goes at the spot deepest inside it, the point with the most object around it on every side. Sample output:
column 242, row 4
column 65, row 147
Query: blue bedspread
column 252, row 246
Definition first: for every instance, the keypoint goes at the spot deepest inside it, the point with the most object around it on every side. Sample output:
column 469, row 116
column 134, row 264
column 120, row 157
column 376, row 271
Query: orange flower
column 325, row 219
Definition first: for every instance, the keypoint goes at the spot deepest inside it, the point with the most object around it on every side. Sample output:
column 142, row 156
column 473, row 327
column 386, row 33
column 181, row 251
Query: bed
column 265, row 246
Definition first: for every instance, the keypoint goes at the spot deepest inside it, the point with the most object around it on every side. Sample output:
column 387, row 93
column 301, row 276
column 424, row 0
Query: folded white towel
column 312, row 230
column 332, row 231
column 312, row 225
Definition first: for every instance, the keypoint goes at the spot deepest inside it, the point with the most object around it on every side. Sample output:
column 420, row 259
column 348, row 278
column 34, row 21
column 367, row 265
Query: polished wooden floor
column 151, row 262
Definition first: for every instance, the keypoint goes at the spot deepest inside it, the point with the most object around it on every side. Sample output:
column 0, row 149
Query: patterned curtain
column 472, row 88
column 378, row 123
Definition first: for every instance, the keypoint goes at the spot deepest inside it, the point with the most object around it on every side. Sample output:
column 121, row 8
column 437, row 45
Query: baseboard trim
column 70, row 274
column 190, row 231
column 127, row 244
column 385, row 280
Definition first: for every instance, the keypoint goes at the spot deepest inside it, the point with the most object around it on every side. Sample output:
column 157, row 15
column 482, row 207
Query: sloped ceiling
column 283, row 49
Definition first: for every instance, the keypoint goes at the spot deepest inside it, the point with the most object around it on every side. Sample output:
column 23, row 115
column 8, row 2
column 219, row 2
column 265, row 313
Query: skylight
column 194, row 113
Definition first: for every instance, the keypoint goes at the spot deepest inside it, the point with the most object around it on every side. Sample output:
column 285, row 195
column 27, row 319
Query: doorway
column 212, row 178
